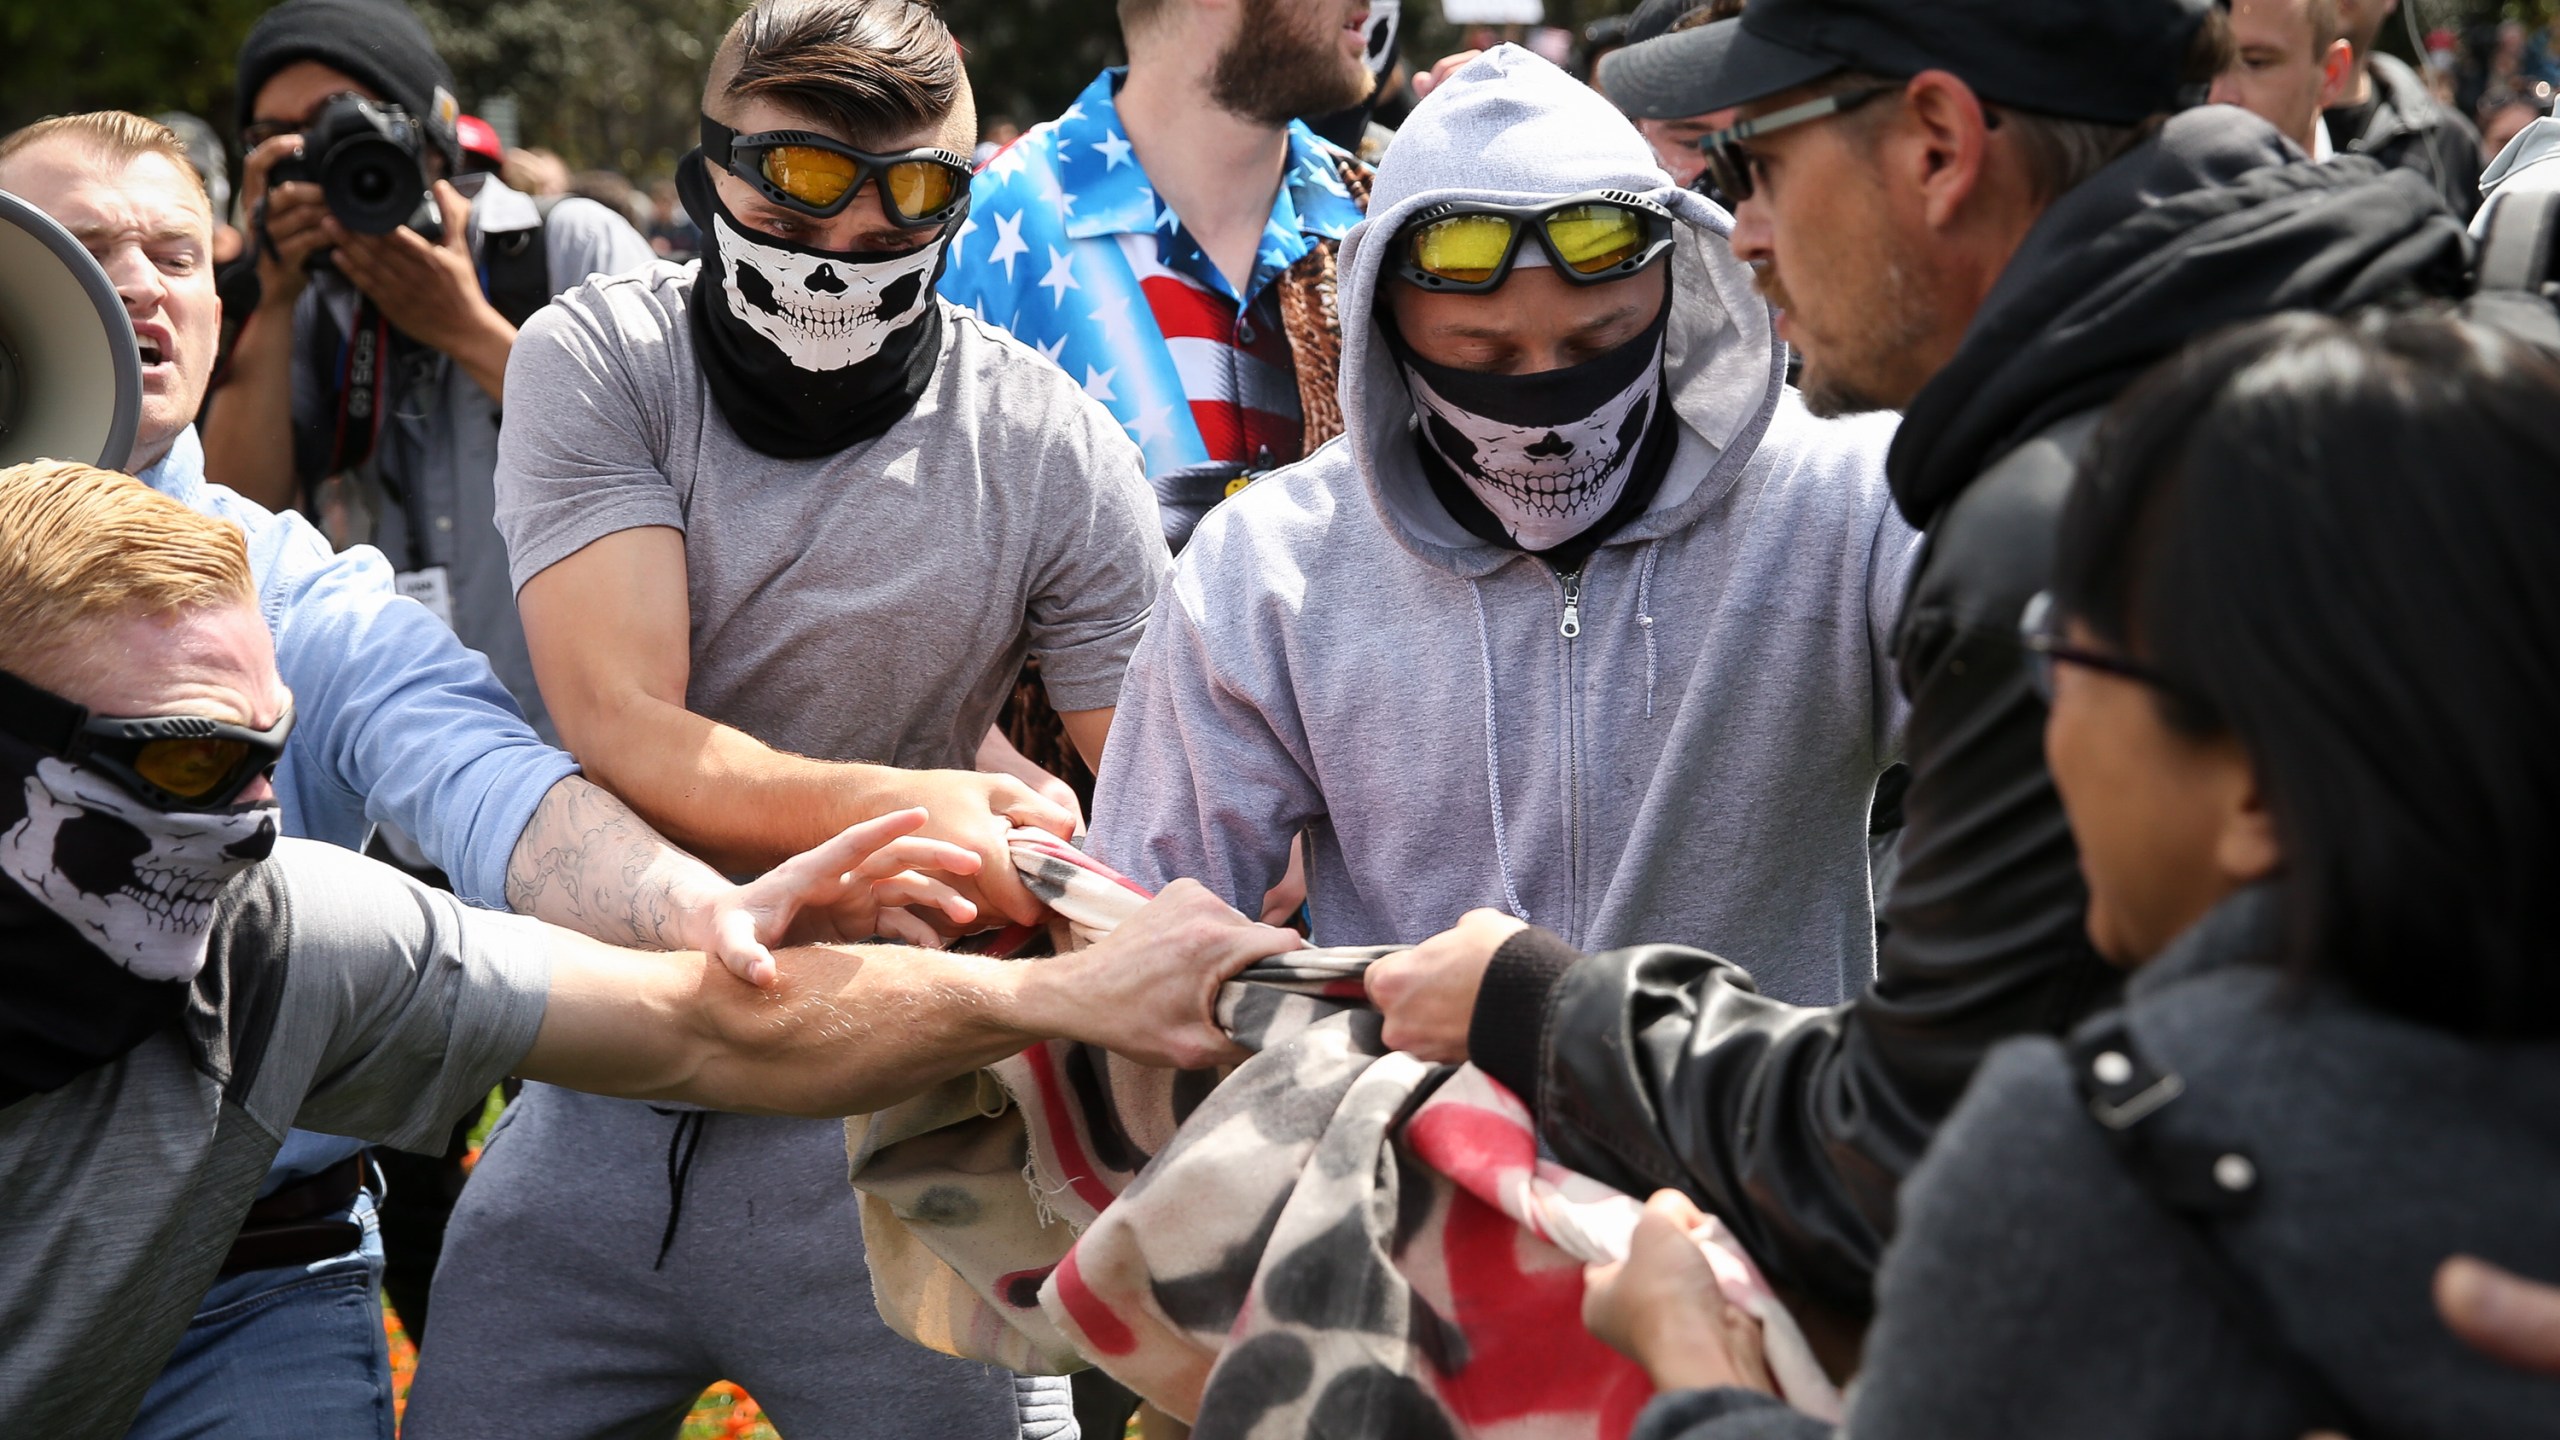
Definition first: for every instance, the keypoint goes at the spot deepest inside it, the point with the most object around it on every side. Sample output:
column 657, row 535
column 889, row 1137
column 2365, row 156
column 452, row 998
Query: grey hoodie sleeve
column 1205, row 775
column 1892, row 554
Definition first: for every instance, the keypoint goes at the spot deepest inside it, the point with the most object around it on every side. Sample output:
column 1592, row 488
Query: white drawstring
column 1493, row 757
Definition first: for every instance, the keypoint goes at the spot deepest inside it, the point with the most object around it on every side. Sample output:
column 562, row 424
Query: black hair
column 2342, row 537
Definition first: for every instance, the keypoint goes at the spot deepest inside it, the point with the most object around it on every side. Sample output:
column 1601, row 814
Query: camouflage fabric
column 1332, row 1239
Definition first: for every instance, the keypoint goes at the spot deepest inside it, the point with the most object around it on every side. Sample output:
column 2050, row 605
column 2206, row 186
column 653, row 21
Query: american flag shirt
column 1068, row 247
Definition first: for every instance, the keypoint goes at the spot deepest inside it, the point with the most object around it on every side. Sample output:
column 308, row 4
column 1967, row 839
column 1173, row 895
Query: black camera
column 370, row 164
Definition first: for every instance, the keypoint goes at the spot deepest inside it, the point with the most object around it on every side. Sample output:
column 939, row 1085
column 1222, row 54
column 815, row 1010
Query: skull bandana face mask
column 808, row 351
column 106, row 913
column 138, row 884
column 1551, row 454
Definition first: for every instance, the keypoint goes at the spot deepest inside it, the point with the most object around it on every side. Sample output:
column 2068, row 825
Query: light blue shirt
column 394, row 718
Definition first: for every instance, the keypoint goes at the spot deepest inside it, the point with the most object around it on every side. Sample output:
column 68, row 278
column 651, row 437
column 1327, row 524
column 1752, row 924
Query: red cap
column 479, row 137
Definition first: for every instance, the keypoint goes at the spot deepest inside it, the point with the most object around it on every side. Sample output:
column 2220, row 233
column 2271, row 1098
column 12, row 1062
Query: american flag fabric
column 1068, row 247
column 1333, row 1239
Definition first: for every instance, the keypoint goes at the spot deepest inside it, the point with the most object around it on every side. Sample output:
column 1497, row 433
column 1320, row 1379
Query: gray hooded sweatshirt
column 1337, row 655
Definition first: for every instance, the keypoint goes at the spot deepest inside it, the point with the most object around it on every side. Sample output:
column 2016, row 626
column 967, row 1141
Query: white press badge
column 431, row 588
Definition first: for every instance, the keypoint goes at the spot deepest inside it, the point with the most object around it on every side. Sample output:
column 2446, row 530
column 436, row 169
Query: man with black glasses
column 1990, row 215
column 780, row 521
column 1584, row 619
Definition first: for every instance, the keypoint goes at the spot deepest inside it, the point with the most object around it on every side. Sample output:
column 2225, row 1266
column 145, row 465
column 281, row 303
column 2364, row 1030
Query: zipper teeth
column 1572, row 762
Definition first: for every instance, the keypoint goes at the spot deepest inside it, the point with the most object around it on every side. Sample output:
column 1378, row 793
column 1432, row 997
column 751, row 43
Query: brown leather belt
column 284, row 1228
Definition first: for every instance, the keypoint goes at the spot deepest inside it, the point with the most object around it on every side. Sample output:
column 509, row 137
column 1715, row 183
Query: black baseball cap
column 2116, row 62
column 1656, row 17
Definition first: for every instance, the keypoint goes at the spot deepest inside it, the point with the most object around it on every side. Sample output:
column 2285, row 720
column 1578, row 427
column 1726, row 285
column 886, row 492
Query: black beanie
column 379, row 42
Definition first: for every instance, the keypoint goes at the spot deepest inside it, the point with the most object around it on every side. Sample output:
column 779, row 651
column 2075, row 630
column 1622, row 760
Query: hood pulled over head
column 1511, row 129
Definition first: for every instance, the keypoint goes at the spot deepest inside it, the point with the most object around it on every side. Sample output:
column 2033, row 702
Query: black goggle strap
column 717, row 142
column 39, row 717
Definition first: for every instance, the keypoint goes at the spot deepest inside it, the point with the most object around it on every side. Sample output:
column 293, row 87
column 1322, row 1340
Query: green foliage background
column 614, row 82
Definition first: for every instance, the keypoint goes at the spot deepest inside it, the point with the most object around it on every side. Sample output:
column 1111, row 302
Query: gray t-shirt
column 340, row 995
column 874, row 604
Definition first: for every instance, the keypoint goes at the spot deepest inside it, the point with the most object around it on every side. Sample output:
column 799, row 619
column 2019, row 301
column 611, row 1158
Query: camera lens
column 370, row 186
column 373, row 183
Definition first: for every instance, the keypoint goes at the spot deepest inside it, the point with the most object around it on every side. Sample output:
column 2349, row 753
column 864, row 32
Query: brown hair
column 82, row 548
column 871, row 69
column 2326, row 27
column 119, row 135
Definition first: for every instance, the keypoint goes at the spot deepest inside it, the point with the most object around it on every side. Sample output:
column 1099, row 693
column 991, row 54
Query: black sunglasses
column 170, row 762
column 2041, row 635
column 1465, row 247
column 1730, row 164
column 816, row 176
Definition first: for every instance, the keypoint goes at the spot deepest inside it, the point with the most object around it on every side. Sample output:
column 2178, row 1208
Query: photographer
column 365, row 385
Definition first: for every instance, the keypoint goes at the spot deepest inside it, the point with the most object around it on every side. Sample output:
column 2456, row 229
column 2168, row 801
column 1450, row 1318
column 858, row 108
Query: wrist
column 865, row 792
column 693, row 902
column 1506, row 1030
column 1685, row 1350
column 482, row 338
column 1039, row 999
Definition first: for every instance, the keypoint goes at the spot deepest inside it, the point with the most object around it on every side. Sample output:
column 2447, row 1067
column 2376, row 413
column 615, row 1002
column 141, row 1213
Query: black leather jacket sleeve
column 1660, row 1066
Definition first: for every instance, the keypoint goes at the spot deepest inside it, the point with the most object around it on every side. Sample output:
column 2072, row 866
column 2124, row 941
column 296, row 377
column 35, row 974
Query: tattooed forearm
column 587, row 863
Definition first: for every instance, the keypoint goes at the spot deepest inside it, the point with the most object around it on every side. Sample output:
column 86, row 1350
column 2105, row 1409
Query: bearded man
column 1170, row 238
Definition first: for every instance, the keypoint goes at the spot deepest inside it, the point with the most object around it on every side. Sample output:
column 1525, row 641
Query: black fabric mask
column 808, row 352
column 106, row 912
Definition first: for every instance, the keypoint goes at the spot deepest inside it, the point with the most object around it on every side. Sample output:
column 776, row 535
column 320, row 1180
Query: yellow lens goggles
column 190, row 769
column 817, row 176
column 1473, row 248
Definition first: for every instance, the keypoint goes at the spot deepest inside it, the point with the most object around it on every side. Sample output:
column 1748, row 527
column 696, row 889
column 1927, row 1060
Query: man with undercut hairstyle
column 2387, row 112
column 1169, row 240
column 770, row 514
column 397, row 723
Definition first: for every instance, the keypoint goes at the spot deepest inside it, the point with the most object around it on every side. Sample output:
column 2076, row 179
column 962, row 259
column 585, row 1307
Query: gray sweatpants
column 554, row 1315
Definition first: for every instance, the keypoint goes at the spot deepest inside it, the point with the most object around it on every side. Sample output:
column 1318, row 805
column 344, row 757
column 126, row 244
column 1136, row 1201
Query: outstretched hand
column 1662, row 1308
column 1149, row 989
column 853, row 887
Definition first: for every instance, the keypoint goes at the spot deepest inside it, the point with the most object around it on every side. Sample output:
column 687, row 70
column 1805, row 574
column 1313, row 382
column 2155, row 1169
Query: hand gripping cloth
column 1333, row 1239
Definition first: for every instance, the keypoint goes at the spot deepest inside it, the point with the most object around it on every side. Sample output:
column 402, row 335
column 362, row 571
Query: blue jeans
column 294, row 1353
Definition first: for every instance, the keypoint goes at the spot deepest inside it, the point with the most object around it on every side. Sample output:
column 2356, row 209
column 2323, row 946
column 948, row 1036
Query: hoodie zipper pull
column 1572, row 605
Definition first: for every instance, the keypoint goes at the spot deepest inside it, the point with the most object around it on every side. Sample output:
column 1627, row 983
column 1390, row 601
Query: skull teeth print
column 1544, row 483
column 1548, row 493
column 823, row 312
column 139, row 884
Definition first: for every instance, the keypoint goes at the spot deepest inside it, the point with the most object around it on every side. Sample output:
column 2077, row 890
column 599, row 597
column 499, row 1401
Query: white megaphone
column 70, row 373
